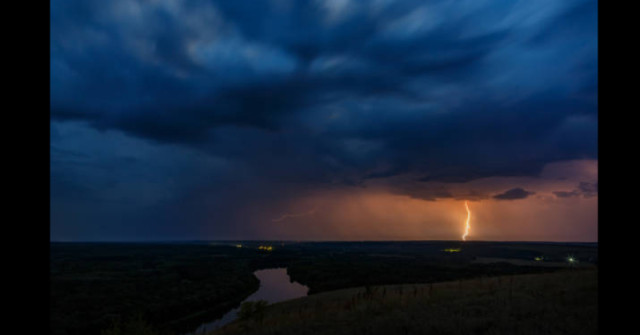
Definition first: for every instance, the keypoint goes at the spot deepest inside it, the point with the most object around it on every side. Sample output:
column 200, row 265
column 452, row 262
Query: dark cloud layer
column 307, row 93
column 584, row 189
column 513, row 194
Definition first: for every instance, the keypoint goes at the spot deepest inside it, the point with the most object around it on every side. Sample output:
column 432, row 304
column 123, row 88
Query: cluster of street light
column 265, row 248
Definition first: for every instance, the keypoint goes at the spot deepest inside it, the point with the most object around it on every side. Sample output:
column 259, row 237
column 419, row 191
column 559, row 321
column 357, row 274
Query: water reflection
column 275, row 286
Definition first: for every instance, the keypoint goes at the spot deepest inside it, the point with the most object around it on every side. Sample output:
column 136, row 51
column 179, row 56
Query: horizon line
column 315, row 241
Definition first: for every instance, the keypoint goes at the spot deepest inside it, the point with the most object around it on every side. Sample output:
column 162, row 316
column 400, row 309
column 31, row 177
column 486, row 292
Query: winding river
column 275, row 286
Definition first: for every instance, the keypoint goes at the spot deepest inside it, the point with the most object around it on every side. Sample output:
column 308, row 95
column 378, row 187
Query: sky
column 323, row 120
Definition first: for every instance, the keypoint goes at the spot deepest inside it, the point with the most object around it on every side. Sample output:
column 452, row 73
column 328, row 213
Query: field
column 173, row 287
column 564, row 302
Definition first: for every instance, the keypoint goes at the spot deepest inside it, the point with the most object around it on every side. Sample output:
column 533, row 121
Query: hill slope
column 554, row 303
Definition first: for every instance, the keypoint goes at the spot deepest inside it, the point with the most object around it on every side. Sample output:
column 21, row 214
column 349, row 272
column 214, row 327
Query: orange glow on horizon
column 381, row 213
column 466, row 230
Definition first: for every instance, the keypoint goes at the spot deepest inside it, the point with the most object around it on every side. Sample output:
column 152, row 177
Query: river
column 275, row 286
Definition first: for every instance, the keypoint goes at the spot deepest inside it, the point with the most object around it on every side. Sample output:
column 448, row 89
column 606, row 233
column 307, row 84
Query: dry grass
column 556, row 303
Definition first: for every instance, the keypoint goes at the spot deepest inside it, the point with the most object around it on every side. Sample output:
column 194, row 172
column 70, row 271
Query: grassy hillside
column 563, row 302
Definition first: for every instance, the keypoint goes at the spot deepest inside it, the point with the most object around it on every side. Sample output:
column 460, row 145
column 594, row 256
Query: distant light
column 539, row 258
column 571, row 260
column 452, row 250
column 238, row 245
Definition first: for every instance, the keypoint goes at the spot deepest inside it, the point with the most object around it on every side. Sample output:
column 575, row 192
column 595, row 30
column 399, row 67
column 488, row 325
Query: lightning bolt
column 466, row 230
column 286, row 216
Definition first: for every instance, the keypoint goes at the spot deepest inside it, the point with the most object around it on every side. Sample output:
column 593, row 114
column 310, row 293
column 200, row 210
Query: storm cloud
column 277, row 97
